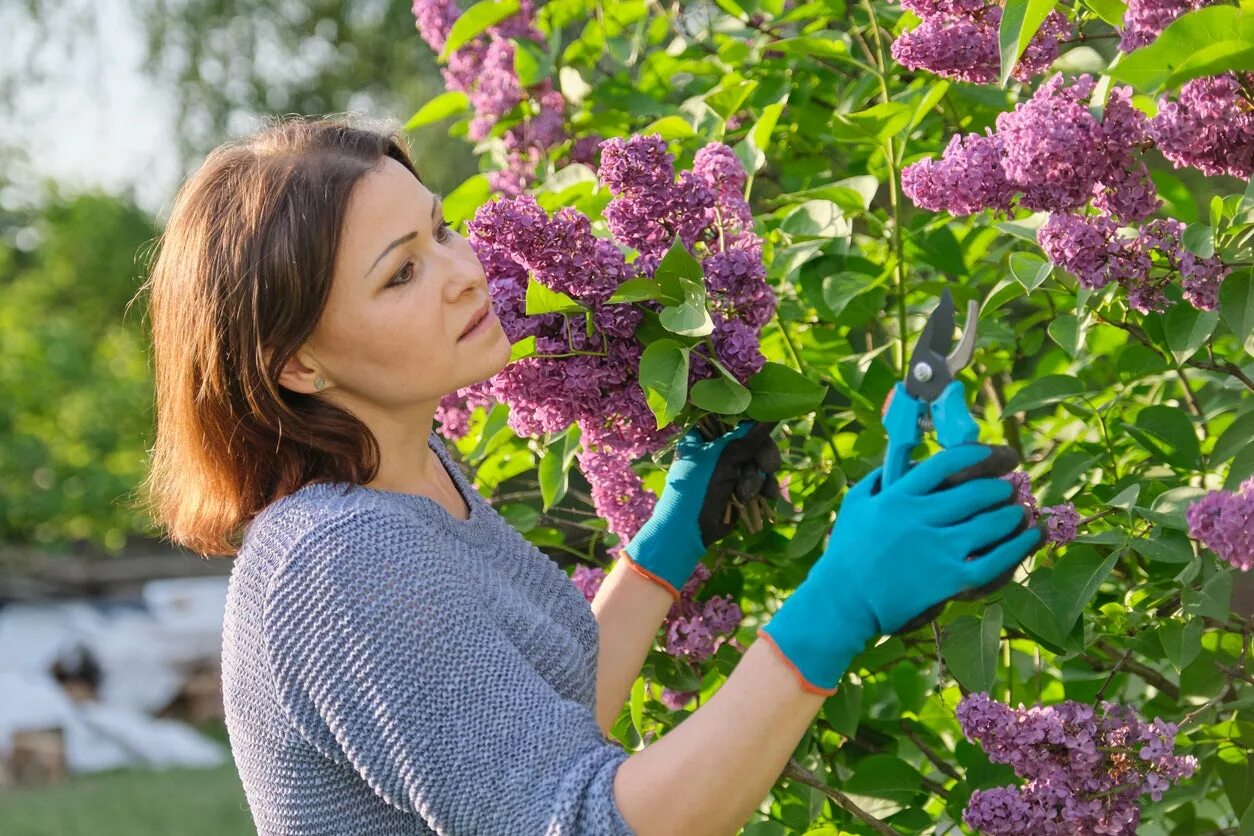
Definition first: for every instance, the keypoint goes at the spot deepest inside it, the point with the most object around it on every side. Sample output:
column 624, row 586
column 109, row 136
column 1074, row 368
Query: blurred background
column 110, row 705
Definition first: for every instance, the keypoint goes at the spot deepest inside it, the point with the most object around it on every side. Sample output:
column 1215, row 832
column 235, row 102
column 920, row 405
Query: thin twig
column 799, row 773
column 1101, row 692
column 939, row 762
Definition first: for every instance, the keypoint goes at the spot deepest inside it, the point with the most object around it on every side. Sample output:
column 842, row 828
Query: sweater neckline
column 473, row 529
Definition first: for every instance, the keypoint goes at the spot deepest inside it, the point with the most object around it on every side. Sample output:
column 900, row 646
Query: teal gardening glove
column 896, row 553
column 689, row 515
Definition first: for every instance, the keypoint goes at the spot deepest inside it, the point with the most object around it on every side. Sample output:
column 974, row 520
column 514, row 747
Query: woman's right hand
column 896, row 553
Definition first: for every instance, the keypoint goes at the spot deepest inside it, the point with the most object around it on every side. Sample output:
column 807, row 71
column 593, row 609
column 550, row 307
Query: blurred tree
column 232, row 61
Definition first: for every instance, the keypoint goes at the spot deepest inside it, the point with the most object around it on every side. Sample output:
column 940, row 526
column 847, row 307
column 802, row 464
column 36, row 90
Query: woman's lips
column 481, row 327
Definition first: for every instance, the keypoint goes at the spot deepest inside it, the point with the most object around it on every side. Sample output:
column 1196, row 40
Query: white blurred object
column 143, row 655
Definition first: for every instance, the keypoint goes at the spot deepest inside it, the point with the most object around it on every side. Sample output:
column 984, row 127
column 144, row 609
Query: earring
column 319, row 383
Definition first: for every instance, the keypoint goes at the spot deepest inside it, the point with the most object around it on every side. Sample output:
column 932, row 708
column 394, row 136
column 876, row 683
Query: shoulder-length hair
column 244, row 266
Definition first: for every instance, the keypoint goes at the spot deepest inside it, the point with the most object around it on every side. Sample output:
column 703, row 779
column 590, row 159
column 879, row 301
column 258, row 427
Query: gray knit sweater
column 388, row 668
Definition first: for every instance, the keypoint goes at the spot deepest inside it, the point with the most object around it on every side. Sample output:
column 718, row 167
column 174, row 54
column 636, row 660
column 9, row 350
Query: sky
column 97, row 120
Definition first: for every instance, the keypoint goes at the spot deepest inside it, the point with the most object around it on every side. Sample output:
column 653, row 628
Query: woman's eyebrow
column 436, row 207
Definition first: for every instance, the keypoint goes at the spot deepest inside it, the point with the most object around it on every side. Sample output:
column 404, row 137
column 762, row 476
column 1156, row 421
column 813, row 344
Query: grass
column 133, row 802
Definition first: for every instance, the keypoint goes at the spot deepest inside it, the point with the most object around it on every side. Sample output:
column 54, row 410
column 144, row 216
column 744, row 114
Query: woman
column 396, row 658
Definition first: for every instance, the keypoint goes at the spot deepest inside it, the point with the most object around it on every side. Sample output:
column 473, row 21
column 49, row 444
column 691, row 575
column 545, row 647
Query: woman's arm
column 629, row 609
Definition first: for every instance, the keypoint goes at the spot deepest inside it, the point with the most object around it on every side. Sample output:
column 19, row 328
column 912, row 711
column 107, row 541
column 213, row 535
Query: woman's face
column 403, row 291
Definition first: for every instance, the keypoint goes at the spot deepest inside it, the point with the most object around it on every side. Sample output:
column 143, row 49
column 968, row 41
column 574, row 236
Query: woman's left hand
column 690, row 515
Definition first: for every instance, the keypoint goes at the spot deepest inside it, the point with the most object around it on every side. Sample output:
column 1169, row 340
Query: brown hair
column 244, row 265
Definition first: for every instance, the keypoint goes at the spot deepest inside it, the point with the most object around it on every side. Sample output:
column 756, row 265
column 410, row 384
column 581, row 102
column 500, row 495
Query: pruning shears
column 929, row 397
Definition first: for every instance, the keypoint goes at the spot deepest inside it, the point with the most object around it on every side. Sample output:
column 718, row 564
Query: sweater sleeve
column 386, row 661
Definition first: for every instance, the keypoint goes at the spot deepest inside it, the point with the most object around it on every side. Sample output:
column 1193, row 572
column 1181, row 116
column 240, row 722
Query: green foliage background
column 1130, row 417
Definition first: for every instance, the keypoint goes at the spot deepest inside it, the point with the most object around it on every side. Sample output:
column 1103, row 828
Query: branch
column 799, row 773
column 939, row 762
column 1139, row 334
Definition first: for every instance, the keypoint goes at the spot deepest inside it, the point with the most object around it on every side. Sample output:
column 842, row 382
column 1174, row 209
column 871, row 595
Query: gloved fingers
column 1001, row 461
column 770, row 487
column 768, row 457
column 1019, row 529
column 985, row 528
column 744, row 448
column 928, row 474
column 958, row 504
column 1004, row 558
column 749, row 483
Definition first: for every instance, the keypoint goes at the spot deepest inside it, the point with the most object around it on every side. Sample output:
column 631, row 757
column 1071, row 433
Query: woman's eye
column 406, row 272
column 442, row 232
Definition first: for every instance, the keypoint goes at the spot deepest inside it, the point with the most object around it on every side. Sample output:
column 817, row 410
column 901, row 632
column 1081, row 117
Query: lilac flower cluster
column 592, row 379
column 1084, row 773
column 1209, row 126
column 1144, row 264
column 694, row 629
column 483, row 69
column 957, row 39
column 1223, row 521
column 1063, row 519
column 1049, row 152
column 1145, row 19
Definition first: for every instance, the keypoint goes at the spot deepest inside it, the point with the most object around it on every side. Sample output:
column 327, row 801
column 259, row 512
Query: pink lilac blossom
column 1223, row 521
column 483, row 69
column 1209, row 126
column 586, row 367
column 1063, row 519
column 1084, row 772
column 1145, row 19
column 1144, row 264
column 1049, row 151
column 694, row 629
column 957, row 39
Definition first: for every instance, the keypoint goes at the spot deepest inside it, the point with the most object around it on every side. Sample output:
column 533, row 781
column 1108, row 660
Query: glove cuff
column 819, row 632
column 645, row 573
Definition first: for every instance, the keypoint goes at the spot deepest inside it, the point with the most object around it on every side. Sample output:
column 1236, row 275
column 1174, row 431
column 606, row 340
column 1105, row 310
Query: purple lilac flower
column 1210, row 126
column 1223, row 521
column 1062, row 519
column 957, row 39
column 588, row 580
column 967, row 178
column 455, row 409
column 1084, row 773
column 1145, row 19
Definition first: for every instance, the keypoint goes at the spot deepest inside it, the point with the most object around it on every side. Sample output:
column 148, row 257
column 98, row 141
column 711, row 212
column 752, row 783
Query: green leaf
column 690, row 318
column 1181, row 641
column 523, row 348
column 884, row 776
column 670, row 127
column 637, row 705
column 636, row 290
column 1076, row 577
column 1170, row 425
column 1111, row 11
column 542, row 300
column 1187, row 329
column 1165, row 545
column 1068, row 331
column 532, row 64
column 440, row 107
column 1240, row 434
column 935, row 92
column 554, row 468
column 1031, row 270
column 816, row 219
column 720, row 394
column 664, row 379
column 779, row 393
column 1168, row 508
column 1236, row 303
column 1208, row 41
column 1242, row 468
column 822, row 45
column 1032, row 605
column 1043, row 391
column 676, row 266
column 474, row 21
column 461, row 203
column 1199, row 239
column 1213, row 600
column 969, row 646
column 759, row 136
column 1019, row 22
column 843, row 709
column 877, row 123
